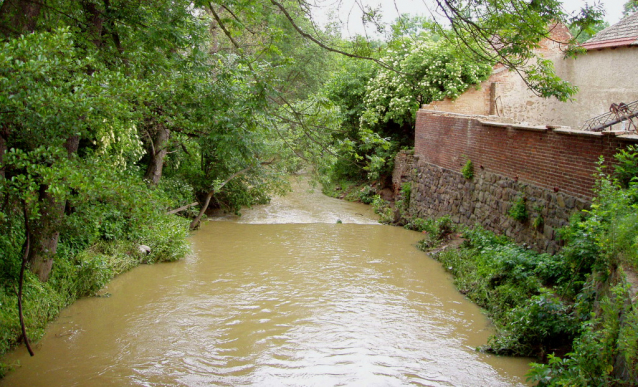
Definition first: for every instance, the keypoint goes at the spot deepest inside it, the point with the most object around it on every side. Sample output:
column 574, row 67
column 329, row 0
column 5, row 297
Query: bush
column 468, row 170
column 539, row 325
column 607, row 342
column 509, row 282
column 102, row 230
column 383, row 209
column 626, row 167
column 519, row 211
column 435, row 229
column 367, row 194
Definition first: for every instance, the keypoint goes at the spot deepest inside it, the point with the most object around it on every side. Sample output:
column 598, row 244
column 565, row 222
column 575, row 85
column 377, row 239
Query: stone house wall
column 603, row 76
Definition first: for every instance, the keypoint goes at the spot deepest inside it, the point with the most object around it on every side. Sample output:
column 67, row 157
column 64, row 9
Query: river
column 281, row 296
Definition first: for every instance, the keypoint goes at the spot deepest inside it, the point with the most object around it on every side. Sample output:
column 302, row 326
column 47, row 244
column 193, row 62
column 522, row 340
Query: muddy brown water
column 283, row 296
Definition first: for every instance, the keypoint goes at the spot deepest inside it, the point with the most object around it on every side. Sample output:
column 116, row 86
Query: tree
column 583, row 35
column 50, row 103
column 630, row 7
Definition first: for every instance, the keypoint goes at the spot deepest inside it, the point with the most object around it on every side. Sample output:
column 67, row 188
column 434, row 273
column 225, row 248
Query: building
column 605, row 74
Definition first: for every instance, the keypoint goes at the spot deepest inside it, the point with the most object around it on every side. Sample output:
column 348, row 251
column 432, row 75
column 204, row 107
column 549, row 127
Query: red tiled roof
column 623, row 33
column 621, row 42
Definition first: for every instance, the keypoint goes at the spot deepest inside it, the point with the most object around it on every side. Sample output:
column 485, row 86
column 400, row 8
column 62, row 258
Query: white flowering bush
column 421, row 72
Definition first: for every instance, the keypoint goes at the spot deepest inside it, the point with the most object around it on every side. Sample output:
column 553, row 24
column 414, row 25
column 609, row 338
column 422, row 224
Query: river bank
column 80, row 274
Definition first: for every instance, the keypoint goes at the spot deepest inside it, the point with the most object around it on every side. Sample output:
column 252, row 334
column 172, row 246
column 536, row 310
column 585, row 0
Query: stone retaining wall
column 486, row 200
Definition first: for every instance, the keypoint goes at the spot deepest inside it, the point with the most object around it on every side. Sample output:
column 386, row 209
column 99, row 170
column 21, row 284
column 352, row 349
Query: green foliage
column 435, row 230
column 583, row 33
column 403, row 203
column 383, row 209
column 378, row 106
column 518, row 211
column 538, row 222
column 423, row 71
column 608, row 341
column 509, row 281
column 468, row 170
column 574, row 308
column 520, row 26
column 367, row 194
column 630, row 7
column 544, row 321
column 406, row 191
column 626, row 166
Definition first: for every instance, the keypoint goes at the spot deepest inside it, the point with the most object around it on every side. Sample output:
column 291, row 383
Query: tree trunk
column 3, row 150
column 19, row 16
column 198, row 218
column 195, row 222
column 45, row 234
column 96, row 22
column 45, row 230
column 159, row 149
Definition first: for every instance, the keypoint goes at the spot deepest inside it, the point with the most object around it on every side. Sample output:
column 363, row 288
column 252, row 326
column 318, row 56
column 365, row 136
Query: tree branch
column 320, row 43
column 195, row 223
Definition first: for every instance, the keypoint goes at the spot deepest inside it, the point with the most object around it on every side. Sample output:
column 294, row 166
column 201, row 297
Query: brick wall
column 555, row 159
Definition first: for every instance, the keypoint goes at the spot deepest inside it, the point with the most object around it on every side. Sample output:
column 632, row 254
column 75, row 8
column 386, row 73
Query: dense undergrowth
column 97, row 243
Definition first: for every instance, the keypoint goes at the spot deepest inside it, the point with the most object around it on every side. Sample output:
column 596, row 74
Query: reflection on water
column 309, row 303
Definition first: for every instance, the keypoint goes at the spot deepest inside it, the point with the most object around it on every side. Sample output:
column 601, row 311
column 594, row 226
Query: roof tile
column 625, row 29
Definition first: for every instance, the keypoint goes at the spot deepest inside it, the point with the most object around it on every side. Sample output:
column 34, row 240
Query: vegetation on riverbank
column 575, row 310
column 96, row 244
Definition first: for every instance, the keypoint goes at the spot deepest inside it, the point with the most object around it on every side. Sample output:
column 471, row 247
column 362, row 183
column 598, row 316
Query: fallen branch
column 195, row 222
column 182, row 208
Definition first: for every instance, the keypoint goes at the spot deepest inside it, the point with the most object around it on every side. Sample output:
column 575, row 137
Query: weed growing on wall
column 539, row 220
column 468, row 170
column 519, row 211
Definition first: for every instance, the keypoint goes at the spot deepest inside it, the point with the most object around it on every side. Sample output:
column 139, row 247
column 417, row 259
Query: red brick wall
column 552, row 159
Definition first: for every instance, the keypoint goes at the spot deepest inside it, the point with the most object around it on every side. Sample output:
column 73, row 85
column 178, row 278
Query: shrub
column 435, row 229
column 367, row 194
column 519, row 211
column 468, row 170
column 540, row 324
column 626, row 167
column 509, row 281
column 383, row 209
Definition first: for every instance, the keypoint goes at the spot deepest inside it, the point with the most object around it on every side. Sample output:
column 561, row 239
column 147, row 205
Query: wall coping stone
column 628, row 137
column 515, row 126
column 507, row 123
column 578, row 132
